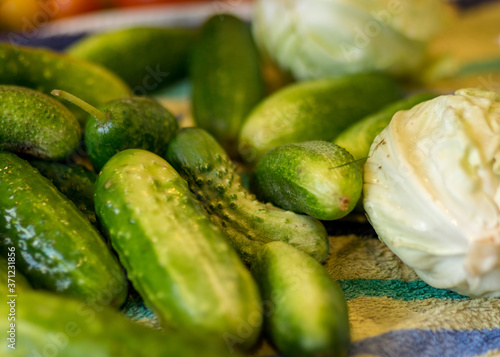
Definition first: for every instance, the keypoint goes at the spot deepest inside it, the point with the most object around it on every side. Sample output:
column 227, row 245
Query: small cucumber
column 175, row 257
column 317, row 178
column 45, row 70
column 36, row 124
column 315, row 110
column 57, row 247
column 308, row 312
column 144, row 57
column 226, row 77
column 124, row 123
column 358, row 137
column 42, row 324
column 75, row 182
column 247, row 222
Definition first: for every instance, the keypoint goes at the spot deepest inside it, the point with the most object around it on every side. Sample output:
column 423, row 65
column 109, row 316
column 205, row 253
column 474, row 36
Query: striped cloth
column 393, row 313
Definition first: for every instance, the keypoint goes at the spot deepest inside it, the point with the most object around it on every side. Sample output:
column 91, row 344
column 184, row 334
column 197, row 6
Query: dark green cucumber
column 144, row 57
column 45, row 70
column 124, row 123
column 226, row 77
column 358, row 137
column 247, row 222
column 317, row 178
column 314, row 110
column 57, row 248
column 38, row 323
column 308, row 312
column 75, row 182
column 175, row 257
column 36, row 124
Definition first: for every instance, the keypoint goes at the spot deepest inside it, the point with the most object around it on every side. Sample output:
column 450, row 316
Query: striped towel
column 393, row 313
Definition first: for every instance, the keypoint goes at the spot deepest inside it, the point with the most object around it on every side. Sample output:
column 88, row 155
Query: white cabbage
column 325, row 38
column 432, row 191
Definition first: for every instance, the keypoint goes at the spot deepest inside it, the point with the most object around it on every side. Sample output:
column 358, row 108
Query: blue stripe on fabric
column 395, row 289
column 426, row 343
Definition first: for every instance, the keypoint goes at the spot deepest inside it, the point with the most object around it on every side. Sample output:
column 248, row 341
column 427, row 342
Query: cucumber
column 124, row 123
column 38, row 323
column 175, row 257
column 314, row 110
column 247, row 222
column 358, row 137
column 75, row 182
column 36, row 124
column 317, row 178
column 146, row 58
column 57, row 248
column 308, row 312
column 45, row 70
column 226, row 77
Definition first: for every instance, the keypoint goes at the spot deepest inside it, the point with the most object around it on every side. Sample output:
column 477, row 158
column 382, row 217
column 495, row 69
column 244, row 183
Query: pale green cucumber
column 313, row 110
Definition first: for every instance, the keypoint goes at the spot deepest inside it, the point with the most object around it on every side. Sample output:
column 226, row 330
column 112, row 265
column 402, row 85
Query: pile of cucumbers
column 102, row 193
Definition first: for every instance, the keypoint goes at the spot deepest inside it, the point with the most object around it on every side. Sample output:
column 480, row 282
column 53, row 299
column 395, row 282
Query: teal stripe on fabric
column 395, row 289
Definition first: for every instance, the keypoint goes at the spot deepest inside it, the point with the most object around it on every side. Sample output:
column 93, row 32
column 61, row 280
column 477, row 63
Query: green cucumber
column 226, row 77
column 38, row 323
column 36, row 124
column 75, row 182
column 124, row 123
column 57, row 248
column 146, row 58
column 307, row 314
column 175, row 257
column 358, row 137
column 45, row 70
column 317, row 178
column 314, row 110
column 247, row 222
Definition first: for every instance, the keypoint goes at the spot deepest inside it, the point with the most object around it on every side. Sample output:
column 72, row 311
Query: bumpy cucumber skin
column 358, row 137
column 247, row 222
column 175, row 257
column 134, row 123
column 145, row 58
column 75, row 182
column 317, row 178
column 36, row 124
column 57, row 247
column 309, row 313
column 46, row 70
column 49, row 325
column 315, row 110
column 227, row 79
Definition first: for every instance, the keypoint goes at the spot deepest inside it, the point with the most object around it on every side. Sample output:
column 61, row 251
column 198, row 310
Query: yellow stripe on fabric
column 353, row 257
column 374, row 316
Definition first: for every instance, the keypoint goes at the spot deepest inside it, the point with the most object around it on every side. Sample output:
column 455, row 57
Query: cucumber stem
column 99, row 115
